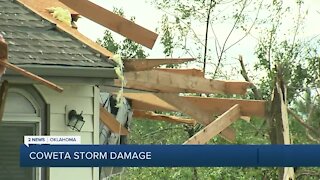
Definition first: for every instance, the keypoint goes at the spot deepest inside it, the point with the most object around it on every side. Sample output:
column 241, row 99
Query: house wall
column 84, row 98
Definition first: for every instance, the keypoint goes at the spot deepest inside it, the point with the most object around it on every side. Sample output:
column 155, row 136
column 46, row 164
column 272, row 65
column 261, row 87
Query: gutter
column 68, row 71
column 65, row 74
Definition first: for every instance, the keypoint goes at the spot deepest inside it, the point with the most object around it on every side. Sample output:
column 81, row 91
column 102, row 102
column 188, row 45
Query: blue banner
column 169, row 155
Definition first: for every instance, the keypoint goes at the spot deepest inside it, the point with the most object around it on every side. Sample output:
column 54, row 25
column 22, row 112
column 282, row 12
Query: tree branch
column 244, row 73
column 308, row 174
column 225, row 42
column 302, row 122
column 211, row 5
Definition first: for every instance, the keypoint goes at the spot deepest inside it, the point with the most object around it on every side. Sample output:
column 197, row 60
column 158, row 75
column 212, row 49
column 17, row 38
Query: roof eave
column 67, row 71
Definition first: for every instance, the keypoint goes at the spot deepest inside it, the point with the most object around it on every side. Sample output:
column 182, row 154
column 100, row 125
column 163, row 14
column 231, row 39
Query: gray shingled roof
column 34, row 41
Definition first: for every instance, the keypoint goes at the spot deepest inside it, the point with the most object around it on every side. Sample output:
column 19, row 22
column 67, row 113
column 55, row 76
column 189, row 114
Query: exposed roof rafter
column 171, row 82
column 195, row 112
column 215, row 127
column 216, row 106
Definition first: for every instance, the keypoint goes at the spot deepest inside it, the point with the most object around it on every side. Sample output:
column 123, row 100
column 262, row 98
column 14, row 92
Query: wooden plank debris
column 147, row 64
column 39, row 7
column 113, row 22
column 176, row 83
column 216, row 106
column 246, row 118
column 161, row 117
column 215, row 127
column 3, row 95
column 150, row 102
column 32, row 76
column 189, row 72
column 111, row 122
column 220, row 105
column 195, row 112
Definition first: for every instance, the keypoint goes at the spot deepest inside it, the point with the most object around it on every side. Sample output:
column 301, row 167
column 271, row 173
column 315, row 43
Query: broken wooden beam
column 161, row 117
column 147, row 64
column 31, row 76
column 189, row 72
column 215, row 127
column 195, row 112
column 111, row 122
column 113, row 22
column 220, row 105
column 3, row 96
column 149, row 87
column 170, row 82
column 216, row 106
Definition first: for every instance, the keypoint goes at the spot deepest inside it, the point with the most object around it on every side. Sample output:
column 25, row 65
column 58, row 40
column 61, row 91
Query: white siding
column 82, row 98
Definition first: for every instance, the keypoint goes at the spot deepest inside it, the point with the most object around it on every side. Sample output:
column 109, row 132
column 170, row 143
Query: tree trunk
column 278, row 121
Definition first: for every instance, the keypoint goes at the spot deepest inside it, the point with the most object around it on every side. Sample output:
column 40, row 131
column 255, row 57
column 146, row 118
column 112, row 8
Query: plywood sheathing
column 39, row 7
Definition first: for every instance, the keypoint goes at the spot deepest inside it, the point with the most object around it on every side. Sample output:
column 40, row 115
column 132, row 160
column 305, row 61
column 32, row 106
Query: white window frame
column 26, row 120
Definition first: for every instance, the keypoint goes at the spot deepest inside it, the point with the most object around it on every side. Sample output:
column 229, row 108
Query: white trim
column 96, row 121
column 26, row 120
column 28, row 96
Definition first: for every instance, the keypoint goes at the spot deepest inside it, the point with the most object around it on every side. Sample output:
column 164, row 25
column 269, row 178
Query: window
column 24, row 115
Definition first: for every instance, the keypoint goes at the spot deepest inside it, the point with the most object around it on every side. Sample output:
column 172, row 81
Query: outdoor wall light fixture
column 75, row 121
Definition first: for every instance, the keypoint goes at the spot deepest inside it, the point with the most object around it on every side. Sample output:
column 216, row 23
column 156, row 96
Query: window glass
column 11, row 137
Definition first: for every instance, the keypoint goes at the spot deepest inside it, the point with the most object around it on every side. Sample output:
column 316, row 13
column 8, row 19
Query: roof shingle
column 34, row 40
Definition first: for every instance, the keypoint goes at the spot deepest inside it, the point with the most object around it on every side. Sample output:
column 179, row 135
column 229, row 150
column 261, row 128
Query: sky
column 149, row 17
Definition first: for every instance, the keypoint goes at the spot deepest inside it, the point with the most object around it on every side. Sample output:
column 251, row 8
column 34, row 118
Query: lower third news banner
column 169, row 155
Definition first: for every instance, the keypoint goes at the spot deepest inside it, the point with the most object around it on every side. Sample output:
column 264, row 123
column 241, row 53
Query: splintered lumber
column 31, row 76
column 220, row 105
column 4, row 63
column 3, row 96
column 113, row 22
column 215, row 127
column 195, row 112
column 150, row 100
column 190, row 72
column 153, row 116
column 149, row 87
column 216, row 106
column 147, row 64
column 111, row 122
column 175, row 83
column 246, row 118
